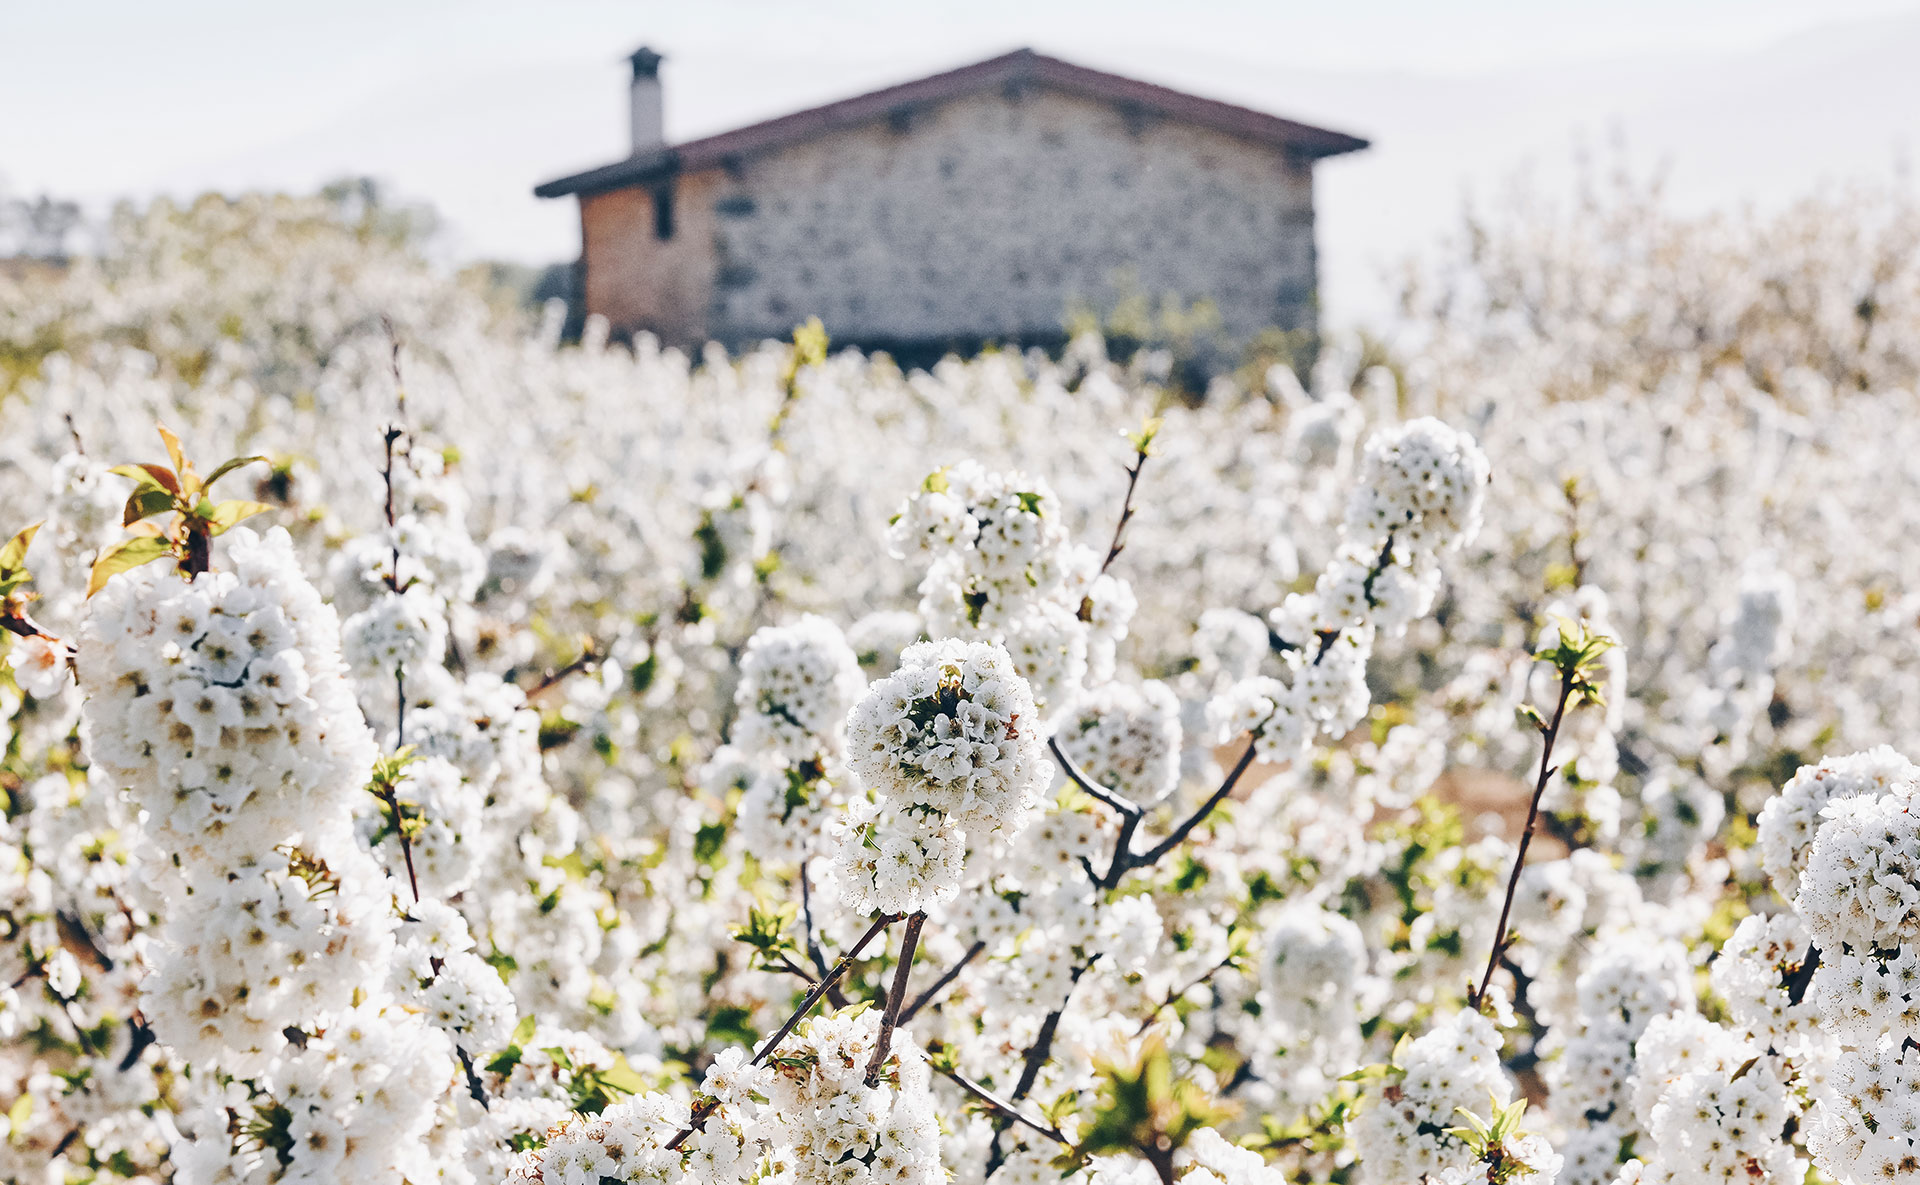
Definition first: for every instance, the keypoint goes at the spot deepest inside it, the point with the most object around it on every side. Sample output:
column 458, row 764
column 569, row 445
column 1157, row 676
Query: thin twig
column 939, row 985
column 806, row 919
column 1179, row 834
column 788, row 965
column 1042, row 1048
column 896, row 997
column 705, row 1107
column 1118, row 802
column 391, row 798
column 393, row 434
column 1005, row 1108
column 1126, row 509
column 590, row 655
column 1547, row 770
column 1174, row 997
column 1037, row 1055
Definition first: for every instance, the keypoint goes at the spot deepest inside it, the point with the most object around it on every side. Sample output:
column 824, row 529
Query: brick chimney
column 649, row 128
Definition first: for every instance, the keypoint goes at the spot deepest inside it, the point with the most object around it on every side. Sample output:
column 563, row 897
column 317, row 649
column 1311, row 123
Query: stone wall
column 639, row 281
column 979, row 218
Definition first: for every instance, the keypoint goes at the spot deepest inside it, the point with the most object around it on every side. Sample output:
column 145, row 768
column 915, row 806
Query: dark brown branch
column 1042, row 1048
column 476, row 1089
column 705, row 1107
column 788, row 965
column 1079, row 777
column 1130, row 815
column 896, row 997
column 939, row 985
column 1179, row 834
column 1037, row 1055
column 590, row 656
column 1126, row 509
column 391, row 799
column 1547, row 770
column 395, row 433
column 806, row 920
column 1801, row 977
column 1005, row 1108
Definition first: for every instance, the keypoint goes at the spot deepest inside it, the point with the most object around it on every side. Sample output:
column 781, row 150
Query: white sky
column 469, row 103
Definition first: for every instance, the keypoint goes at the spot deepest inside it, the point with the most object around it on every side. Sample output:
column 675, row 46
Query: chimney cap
column 646, row 63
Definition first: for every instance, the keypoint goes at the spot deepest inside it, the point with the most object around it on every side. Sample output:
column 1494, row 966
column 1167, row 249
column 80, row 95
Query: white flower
column 39, row 665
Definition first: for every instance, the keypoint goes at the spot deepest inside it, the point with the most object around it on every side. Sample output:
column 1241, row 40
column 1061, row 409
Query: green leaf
column 523, row 1032
column 227, row 467
column 502, row 1063
column 17, row 1116
column 146, row 502
column 809, row 343
column 707, row 842
column 227, row 514
column 13, row 557
column 623, row 1077
column 1142, row 441
column 125, row 556
column 172, row 442
column 156, row 477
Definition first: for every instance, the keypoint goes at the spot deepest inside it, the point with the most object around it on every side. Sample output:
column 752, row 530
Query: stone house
column 971, row 206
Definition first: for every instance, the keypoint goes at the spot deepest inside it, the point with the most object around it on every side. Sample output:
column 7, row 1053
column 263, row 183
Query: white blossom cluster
column 1860, row 898
column 1790, row 819
column 221, row 705
column 270, row 962
column 1753, row 976
column 1719, row 1115
column 797, row 683
column 831, row 1127
column 1126, row 738
column 1315, row 987
column 1004, row 570
column 1206, row 1159
column 1424, row 485
column 1627, row 985
column 627, row 1142
column 1860, row 891
column 1404, row 1129
column 950, row 745
column 1419, row 494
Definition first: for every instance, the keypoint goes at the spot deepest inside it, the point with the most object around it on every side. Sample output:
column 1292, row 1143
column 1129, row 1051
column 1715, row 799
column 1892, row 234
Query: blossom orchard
column 1303, row 789
column 1005, row 782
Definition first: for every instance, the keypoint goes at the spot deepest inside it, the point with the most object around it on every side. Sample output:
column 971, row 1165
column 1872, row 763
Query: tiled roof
column 1021, row 67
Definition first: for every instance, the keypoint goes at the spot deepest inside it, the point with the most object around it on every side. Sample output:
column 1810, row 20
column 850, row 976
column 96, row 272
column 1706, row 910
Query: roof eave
column 1304, row 141
column 635, row 170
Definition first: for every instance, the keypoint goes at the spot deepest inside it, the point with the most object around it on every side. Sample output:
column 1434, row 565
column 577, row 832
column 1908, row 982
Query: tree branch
column 590, row 655
column 1079, row 777
column 1003, row 1107
column 939, row 985
column 1126, row 504
column 1179, row 834
column 706, row 1107
column 896, row 997
column 1547, row 770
